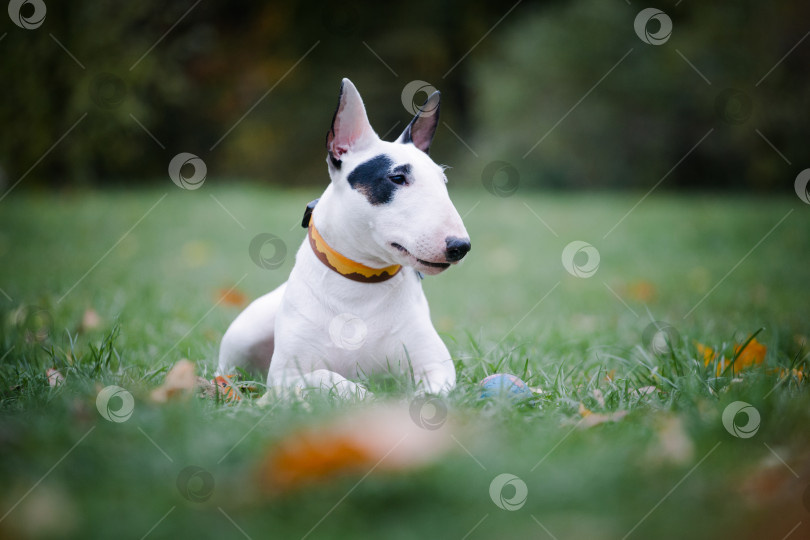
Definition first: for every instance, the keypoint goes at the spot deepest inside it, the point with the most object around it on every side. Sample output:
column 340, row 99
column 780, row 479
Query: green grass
column 669, row 469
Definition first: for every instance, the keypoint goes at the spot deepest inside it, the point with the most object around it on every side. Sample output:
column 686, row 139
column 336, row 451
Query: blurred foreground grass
column 154, row 264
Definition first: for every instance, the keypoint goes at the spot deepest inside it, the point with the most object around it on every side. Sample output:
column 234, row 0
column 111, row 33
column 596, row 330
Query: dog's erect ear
column 350, row 128
column 423, row 126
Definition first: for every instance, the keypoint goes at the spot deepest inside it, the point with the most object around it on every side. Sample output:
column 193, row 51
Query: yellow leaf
column 584, row 410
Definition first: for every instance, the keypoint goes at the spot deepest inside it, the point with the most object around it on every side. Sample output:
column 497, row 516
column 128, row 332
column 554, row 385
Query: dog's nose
column 456, row 248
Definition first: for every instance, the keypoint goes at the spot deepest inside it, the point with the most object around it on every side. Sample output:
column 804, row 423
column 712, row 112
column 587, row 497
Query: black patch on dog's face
column 402, row 169
column 371, row 179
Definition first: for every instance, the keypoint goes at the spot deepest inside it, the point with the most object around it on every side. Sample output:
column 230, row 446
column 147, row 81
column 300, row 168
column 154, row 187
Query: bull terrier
column 353, row 304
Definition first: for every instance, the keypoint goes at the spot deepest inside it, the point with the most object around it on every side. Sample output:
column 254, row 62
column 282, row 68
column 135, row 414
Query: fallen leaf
column 706, row 352
column 54, row 377
column 90, row 320
column 590, row 418
column 180, row 382
column 206, row 388
column 212, row 335
column 595, row 419
column 798, row 373
column 378, row 438
column 599, row 397
column 196, row 253
column 752, row 355
column 768, row 478
column 584, row 411
column 646, row 391
column 673, row 444
column 231, row 297
column 49, row 512
column 584, row 323
column 641, row 291
column 226, row 388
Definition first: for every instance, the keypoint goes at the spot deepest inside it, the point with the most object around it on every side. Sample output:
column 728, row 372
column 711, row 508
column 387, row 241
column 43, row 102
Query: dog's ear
column 350, row 127
column 423, row 126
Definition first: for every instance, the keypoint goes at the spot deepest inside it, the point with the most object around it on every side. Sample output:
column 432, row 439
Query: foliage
column 626, row 118
column 218, row 80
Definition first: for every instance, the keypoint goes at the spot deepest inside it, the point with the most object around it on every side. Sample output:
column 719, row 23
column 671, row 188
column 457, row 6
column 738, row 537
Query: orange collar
column 343, row 265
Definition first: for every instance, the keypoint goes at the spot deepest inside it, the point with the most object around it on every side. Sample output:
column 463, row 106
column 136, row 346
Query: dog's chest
column 355, row 326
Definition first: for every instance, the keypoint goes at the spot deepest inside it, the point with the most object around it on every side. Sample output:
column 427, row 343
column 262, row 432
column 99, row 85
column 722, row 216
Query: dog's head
column 392, row 193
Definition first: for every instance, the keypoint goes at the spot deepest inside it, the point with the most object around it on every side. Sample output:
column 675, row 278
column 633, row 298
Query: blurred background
column 559, row 119
column 250, row 88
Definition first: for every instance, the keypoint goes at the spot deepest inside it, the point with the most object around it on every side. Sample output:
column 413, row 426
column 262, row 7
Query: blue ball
column 503, row 385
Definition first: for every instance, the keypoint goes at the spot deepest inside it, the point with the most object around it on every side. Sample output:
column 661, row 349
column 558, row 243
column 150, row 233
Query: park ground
column 624, row 436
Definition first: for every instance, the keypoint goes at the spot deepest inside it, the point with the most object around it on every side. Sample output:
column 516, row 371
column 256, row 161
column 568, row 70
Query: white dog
column 354, row 304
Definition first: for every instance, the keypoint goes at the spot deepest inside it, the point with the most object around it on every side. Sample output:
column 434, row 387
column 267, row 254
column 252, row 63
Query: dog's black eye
column 398, row 179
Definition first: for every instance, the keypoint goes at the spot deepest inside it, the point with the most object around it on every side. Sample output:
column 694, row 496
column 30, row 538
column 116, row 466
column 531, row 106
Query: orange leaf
column 706, row 352
column 641, row 291
column 232, row 297
column 225, row 389
column 798, row 373
column 752, row 355
column 375, row 438
column 309, row 456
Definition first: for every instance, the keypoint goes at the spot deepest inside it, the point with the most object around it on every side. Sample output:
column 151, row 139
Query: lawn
column 624, row 437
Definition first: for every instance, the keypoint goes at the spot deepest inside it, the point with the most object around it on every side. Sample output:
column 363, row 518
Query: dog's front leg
column 436, row 378
column 322, row 380
column 433, row 369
